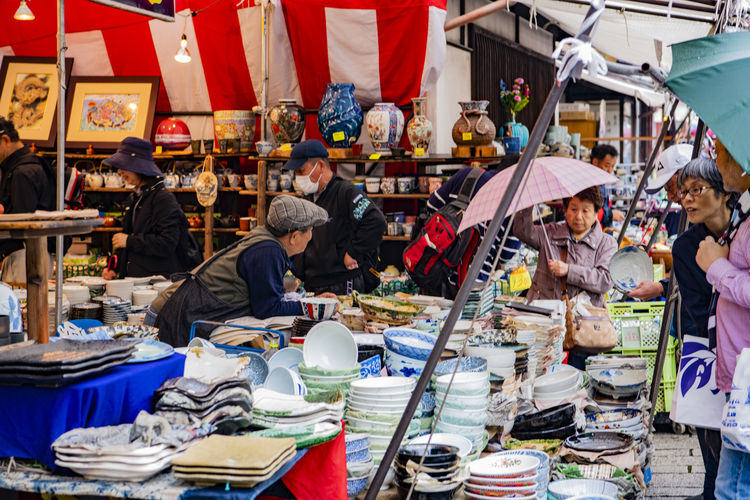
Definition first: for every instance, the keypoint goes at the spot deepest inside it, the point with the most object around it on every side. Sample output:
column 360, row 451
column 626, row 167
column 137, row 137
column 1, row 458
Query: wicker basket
column 390, row 311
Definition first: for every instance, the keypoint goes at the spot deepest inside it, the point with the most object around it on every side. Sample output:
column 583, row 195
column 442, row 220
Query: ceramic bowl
column 555, row 433
column 434, row 491
column 317, row 371
column 468, row 364
column 472, row 433
column 356, row 485
column 370, row 425
column 497, row 356
column 462, row 402
column 629, row 267
column 621, row 418
column 386, row 401
column 358, row 407
column 409, row 342
column 592, row 497
column 571, row 488
column 455, row 440
column 288, row 357
column 618, row 382
column 383, row 385
column 464, row 383
column 463, row 416
column 563, row 395
column 490, row 483
column 358, row 456
column 356, row 442
column 556, row 381
column 331, row 346
column 433, row 453
column 542, row 456
column 403, row 366
column 285, row 381
column 359, row 469
column 318, row 308
column 555, row 417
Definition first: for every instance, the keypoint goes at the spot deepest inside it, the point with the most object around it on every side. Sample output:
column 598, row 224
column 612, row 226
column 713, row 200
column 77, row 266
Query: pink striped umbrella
column 551, row 178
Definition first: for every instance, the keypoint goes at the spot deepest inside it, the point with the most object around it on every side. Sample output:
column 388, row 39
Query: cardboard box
column 577, row 115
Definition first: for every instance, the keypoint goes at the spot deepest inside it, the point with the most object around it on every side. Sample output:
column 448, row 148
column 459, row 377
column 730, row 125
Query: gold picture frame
column 102, row 111
column 29, row 96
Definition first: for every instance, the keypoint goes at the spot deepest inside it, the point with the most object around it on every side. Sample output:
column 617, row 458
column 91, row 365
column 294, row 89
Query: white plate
column 330, row 345
column 113, row 470
column 487, row 482
column 528, row 490
column 379, row 385
column 388, row 402
column 501, row 465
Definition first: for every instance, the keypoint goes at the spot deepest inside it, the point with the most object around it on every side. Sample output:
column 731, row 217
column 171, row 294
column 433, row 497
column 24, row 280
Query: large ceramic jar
column 235, row 124
column 172, row 134
column 340, row 116
column 515, row 129
column 473, row 128
column 385, row 124
column 419, row 129
column 287, row 121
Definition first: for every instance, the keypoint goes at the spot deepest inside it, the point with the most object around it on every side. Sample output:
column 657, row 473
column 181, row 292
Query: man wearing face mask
column 343, row 253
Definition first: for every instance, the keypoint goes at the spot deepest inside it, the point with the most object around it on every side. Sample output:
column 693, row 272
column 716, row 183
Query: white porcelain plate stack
column 559, row 385
column 465, row 410
column 503, row 475
column 375, row 407
column 121, row 288
column 76, row 294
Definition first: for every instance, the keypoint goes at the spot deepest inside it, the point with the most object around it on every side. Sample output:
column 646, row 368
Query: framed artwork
column 159, row 9
column 29, row 95
column 102, row 111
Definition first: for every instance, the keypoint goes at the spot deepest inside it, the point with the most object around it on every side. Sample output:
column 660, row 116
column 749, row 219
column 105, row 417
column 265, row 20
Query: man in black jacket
column 27, row 183
column 343, row 253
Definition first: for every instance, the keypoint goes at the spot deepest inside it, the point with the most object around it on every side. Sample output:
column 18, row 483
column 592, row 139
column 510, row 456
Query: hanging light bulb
column 24, row 12
column 182, row 55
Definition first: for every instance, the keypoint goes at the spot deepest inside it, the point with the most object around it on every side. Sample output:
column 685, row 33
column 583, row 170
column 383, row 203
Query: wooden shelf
column 191, row 229
column 242, row 233
column 102, row 229
column 174, row 190
column 279, row 193
column 163, row 156
column 408, row 196
column 245, row 192
column 430, row 160
column 396, row 238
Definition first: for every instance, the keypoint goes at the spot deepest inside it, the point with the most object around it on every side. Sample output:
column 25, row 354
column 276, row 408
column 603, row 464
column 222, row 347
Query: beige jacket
column 588, row 259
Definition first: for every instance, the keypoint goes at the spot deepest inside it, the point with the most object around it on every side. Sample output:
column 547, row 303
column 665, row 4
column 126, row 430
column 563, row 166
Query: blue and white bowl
column 409, row 343
column 402, row 366
column 356, row 442
column 285, row 381
column 468, row 364
column 570, row 488
column 358, row 456
column 356, row 485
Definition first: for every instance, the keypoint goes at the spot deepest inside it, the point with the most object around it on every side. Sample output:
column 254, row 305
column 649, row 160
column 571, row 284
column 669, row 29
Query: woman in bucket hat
column 154, row 226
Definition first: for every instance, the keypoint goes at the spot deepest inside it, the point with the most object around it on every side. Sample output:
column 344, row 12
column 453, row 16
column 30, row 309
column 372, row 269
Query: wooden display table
column 36, row 232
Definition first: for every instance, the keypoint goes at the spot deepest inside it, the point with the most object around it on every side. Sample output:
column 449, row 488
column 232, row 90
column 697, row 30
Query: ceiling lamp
column 182, row 55
column 24, row 12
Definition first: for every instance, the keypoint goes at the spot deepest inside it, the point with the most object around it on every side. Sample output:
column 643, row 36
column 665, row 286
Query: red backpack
column 439, row 248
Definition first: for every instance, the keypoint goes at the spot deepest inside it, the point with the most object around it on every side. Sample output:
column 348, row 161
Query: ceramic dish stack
column 500, row 361
column 374, row 408
column 239, row 461
column 359, row 463
column 301, row 326
column 330, row 357
column 86, row 310
column 227, row 405
column 559, row 385
column 465, row 409
column 114, row 309
column 437, row 477
column 542, row 472
column 318, row 379
column 504, row 475
column 484, row 303
column 557, row 422
column 407, row 350
column 618, row 382
column 127, row 331
column 144, row 297
column 121, row 288
column 76, row 294
column 274, row 410
column 622, row 420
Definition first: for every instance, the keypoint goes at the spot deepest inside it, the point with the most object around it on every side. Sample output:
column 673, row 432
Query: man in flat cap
column 343, row 254
column 244, row 279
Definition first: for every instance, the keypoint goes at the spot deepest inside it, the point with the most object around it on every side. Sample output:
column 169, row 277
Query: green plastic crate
column 638, row 324
column 664, row 399
column 669, row 371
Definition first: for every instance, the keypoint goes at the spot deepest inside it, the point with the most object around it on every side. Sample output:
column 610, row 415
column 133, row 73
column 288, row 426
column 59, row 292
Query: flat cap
column 289, row 213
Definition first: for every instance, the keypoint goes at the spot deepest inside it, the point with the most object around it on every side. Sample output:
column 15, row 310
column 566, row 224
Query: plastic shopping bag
column 735, row 421
column 697, row 401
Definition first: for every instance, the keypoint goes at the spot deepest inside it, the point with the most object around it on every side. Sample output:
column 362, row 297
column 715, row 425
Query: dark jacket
column 695, row 290
column 27, row 185
column 156, row 227
column 356, row 227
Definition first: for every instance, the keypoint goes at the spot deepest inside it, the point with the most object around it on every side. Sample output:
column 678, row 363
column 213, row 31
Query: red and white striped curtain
column 392, row 50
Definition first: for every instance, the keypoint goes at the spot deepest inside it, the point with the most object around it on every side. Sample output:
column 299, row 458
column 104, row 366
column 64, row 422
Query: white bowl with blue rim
column 285, row 381
column 629, row 267
column 571, row 488
column 408, row 342
column 402, row 366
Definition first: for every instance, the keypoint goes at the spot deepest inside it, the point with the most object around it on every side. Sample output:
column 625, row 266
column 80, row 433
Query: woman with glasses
column 708, row 207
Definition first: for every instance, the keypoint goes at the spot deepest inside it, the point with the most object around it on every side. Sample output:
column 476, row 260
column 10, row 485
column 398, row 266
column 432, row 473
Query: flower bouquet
column 515, row 99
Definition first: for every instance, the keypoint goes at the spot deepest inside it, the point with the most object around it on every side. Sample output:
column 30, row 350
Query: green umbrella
column 712, row 76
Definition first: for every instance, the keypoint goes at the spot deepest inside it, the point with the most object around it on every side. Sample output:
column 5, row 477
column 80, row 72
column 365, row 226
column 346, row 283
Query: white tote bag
column 697, row 401
column 735, row 420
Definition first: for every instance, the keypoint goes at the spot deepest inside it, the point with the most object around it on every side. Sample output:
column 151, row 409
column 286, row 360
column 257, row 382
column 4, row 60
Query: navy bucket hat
column 134, row 155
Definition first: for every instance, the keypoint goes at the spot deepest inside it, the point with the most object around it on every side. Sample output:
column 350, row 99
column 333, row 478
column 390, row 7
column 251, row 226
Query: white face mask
column 305, row 184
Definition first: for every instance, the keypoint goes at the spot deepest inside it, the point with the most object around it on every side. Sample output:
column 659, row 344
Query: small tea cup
column 424, row 184
column 251, row 182
column 233, row 180
column 272, row 184
column 372, row 184
column 263, row 148
column 223, row 145
column 404, row 185
column 512, row 145
column 208, row 146
column 408, row 227
column 394, row 228
column 285, row 182
column 388, row 185
column 195, row 146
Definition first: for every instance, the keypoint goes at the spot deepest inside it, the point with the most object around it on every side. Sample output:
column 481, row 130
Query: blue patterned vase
column 340, row 116
column 516, row 130
column 385, row 124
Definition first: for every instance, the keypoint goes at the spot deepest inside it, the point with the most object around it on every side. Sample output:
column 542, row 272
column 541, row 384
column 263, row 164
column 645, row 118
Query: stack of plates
column 160, row 286
column 500, row 360
column 476, row 301
column 115, row 309
column 76, row 294
column 273, row 409
column 227, row 404
column 557, row 422
column 407, row 350
column 375, row 406
column 441, row 463
column 618, row 382
column 144, row 297
column 121, row 288
column 559, row 385
column 503, row 475
column 301, row 326
column 62, row 362
column 242, row 461
column 465, row 410
column 86, row 310
column 542, row 472
column 622, row 420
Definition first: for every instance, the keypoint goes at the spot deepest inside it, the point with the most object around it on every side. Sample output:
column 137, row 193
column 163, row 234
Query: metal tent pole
column 663, row 216
column 264, row 8
column 646, row 173
column 61, row 78
column 587, row 29
column 669, row 307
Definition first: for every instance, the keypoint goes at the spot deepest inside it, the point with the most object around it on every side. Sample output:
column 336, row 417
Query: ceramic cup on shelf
column 394, row 229
column 223, row 145
column 251, row 182
column 274, row 173
column 434, row 184
column 233, row 180
column 285, row 182
column 208, row 146
column 407, row 227
column 263, row 148
column 195, row 146
column 404, row 185
column 412, row 183
column 512, row 145
column 235, row 145
column 171, row 181
column 388, row 185
column 272, row 184
column 424, row 184
column 372, row 184
column 411, row 219
column 244, row 223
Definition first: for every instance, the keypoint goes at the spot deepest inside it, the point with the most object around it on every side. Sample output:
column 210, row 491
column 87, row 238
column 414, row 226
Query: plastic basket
column 638, row 324
column 390, row 287
column 664, row 399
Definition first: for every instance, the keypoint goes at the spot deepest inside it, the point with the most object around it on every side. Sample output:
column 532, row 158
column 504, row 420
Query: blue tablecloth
column 31, row 418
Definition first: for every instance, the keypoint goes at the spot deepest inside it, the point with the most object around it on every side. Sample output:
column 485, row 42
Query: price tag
column 520, row 279
column 339, row 136
column 286, row 147
column 466, row 136
column 375, row 156
column 158, row 150
column 418, row 151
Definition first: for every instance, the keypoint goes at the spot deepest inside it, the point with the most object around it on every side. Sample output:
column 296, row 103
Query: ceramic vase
column 287, row 121
column 340, row 116
column 172, row 135
column 419, row 129
column 515, row 129
column 473, row 128
column 385, row 124
column 235, row 124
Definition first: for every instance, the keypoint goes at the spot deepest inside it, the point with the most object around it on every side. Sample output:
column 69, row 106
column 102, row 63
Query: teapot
column 113, row 180
column 188, row 180
column 94, row 180
column 171, row 180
